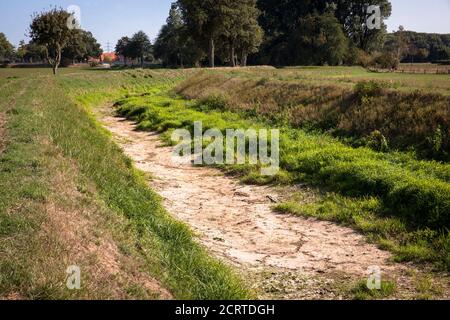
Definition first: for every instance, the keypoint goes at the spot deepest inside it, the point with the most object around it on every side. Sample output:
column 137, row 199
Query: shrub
column 378, row 142
column 386, row 60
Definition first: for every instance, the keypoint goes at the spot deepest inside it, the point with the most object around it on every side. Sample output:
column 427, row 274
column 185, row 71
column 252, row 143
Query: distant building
column 109, row 57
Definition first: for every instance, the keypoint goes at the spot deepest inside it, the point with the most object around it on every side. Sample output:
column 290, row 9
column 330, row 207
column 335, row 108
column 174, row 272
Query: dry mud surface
column 282, row 256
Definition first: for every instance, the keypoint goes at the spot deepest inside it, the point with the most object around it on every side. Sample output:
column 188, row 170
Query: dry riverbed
column 281, row 256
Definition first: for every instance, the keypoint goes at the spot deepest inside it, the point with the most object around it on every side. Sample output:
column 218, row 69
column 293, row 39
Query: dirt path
column 236, row 223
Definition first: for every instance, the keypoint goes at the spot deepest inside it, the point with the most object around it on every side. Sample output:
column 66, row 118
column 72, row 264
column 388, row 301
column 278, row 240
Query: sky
column 109, row 20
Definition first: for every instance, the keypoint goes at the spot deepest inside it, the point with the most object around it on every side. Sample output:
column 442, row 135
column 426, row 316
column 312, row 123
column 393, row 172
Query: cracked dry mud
column 236, row 223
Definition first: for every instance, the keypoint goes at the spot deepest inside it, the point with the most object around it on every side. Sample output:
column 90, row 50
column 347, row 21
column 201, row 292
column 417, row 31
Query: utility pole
column 108, row 47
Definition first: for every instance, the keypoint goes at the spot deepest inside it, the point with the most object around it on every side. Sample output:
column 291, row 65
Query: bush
column 377, row 141
column 386, row 60
column 358, row 57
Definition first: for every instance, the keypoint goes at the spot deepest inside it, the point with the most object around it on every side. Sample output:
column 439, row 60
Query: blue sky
column 109, row 20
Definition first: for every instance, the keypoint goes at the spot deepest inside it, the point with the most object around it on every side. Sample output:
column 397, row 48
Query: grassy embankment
column 400, row 202
column 69, row 196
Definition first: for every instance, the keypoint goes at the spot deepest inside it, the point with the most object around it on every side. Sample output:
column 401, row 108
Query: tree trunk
column 244, row 57
column 142, row 61
column 211, row 52
column 54, row 62
column 232, row 56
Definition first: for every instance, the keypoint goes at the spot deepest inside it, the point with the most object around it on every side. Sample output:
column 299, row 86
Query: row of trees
column 52, row 39
column 276, row 32
column 197, row 29
column 25, row 52
column 52, row 32
column 420, row 47
column 6, row 48
column 136, row 47
column 81, row 46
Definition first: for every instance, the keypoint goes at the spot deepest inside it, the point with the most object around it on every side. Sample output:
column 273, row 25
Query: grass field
column 62, row 180
column 56, row 158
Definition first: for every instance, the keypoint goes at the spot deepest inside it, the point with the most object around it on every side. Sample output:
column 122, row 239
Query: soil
column 284, row 256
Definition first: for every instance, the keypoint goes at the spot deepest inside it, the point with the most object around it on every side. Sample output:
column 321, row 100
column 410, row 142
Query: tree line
column 136, row 47
column 288, row 32
column 238, row 32
column 52, row 40
column 275, row 32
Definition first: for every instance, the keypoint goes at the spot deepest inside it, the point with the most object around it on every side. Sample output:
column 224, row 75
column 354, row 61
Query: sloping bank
column 401, row 203
column 166, row 246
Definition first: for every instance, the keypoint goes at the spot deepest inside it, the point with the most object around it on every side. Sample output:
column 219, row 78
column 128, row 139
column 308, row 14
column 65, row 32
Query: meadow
column 393, row 186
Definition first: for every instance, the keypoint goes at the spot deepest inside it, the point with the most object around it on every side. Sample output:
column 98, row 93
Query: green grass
column 371, row 113
column 399, row 202
column 52, row 118
column 362, row 292
column 402, row 203
column 347, row 77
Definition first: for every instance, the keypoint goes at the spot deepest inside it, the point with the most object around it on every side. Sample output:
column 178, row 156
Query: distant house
column 109, row 57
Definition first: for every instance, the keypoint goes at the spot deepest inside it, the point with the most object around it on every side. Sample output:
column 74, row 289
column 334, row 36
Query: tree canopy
column 50, row 29
column 136, row 47
column 81, row 46
column 6, row 48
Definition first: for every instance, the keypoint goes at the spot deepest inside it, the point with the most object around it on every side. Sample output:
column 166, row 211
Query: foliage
column 82, row 46
column 50, row 30
column 6, row 48
column 319, row 40
column 138, row 47
column 280, row 19
column 423, row 47
column 405, row 197
column 46, row 169
column 407, row 120
column 174, row 45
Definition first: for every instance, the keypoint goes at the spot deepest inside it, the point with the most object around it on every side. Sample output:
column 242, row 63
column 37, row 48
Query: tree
column 50, row 29
column 174, row 45
column 6, row 48
column 22, row 50
column 123, row 48
column 402, row 44
column 205, row 23
column 140, row 46
column 353, row 15
column 34, row 52
column 280, row 18
column 81, row 46
column 240, row 28
column 318, row 40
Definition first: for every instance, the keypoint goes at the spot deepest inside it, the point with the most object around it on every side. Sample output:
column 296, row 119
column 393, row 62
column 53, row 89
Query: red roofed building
column 109, row 57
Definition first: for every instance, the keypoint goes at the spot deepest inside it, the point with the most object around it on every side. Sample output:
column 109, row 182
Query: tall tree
column 318, row 40
column 240, row 28
column 174, row 45
column 205, row 23
column 81, row 46
column 22, row 50
column 402, row 44
column 6, row 48
column 123, row 48
column 354, row 16
column 50, row 29
column 140, row 46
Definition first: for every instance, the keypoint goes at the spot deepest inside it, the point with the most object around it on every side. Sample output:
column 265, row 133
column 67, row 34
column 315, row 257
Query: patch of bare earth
column 284, row 256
